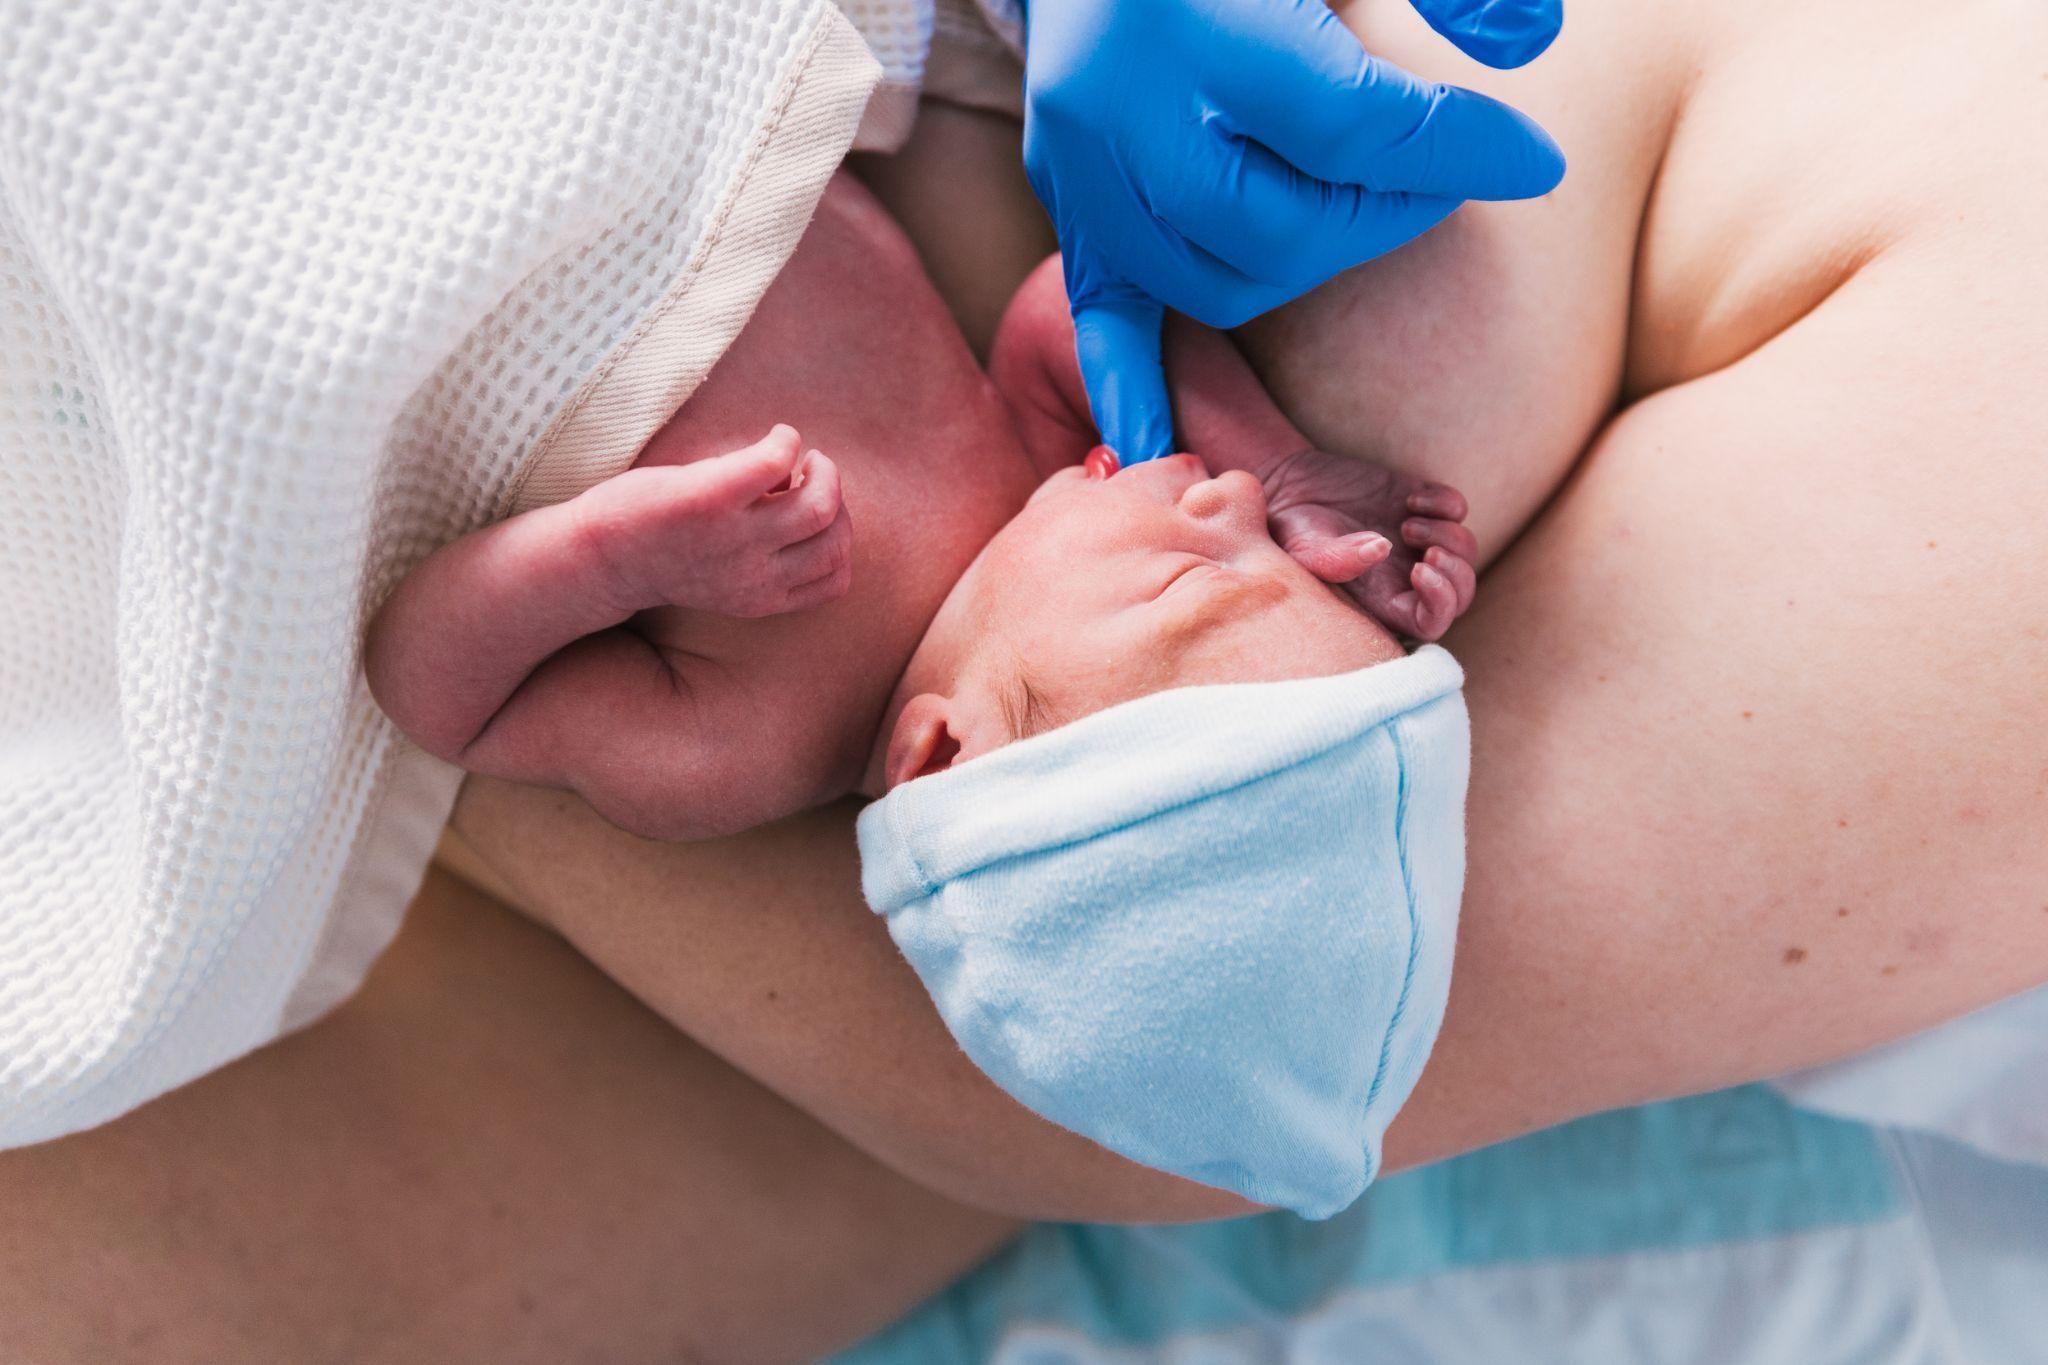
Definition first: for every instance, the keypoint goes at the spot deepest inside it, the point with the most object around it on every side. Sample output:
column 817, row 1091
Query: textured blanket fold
column 289, row 295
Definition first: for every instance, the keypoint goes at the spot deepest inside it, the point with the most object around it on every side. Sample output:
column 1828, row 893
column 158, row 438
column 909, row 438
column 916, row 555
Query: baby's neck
column 917, row 525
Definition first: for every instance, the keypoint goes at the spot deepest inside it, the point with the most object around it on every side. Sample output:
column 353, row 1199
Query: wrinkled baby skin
column 709, row 640
column 1107, row 587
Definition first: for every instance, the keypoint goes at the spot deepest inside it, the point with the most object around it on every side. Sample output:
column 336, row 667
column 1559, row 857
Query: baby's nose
column 1179, row 468
column 1167, row 479
column 1232, row 492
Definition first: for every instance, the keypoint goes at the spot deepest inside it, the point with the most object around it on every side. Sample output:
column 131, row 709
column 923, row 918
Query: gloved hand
column 1220, row 157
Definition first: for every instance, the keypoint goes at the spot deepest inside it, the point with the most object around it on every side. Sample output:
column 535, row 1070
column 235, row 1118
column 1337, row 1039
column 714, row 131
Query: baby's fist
column 755, row 532
column 1396, row 545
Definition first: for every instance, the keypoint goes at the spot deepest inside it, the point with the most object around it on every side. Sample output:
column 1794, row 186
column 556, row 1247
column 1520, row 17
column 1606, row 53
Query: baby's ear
column 926, row 740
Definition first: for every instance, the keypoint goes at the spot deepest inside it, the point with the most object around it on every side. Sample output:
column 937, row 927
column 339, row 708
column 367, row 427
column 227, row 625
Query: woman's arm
column 489, row 1156
column 1731, row 814
column 760, row 948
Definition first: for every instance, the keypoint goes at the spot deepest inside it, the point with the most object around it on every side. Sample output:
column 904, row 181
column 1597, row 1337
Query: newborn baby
column 687, row 648
column 739, row 627
column 1173, row 832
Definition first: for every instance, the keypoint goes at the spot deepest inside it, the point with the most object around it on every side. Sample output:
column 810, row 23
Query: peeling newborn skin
column 715, row 638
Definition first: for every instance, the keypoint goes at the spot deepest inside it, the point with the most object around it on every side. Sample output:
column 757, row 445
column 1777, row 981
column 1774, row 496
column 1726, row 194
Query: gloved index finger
column 1311, row 93
column 1116, row 338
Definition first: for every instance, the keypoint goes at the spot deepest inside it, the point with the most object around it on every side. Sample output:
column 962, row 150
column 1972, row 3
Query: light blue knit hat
column 1211, row 928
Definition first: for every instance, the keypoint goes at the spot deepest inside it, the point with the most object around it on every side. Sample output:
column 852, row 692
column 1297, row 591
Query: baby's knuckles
column 815, row 502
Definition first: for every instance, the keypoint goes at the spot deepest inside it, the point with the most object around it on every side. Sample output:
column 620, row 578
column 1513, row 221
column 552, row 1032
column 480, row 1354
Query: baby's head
column 1106, row 588
column 1208, row 927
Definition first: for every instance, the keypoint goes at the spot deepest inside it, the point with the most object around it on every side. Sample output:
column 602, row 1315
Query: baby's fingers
column 820, row 569
column 1435, row 601
column 1339, row 559
column 1438, row 500
column 744, row 476
column 1448, row 536
column 1423, row 610
column 811, row 503
column 1464, row 578
column 1450, row 549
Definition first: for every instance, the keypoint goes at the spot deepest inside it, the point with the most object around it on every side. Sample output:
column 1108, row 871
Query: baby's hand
column 1395, row 544
column 752, row 533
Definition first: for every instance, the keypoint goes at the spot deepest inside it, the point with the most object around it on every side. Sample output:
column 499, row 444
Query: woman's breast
column 1487, row 353
column 1730, row 167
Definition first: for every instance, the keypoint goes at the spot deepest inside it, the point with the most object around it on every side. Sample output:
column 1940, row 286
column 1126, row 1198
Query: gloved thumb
column 1501, row 33
column 1116, row 338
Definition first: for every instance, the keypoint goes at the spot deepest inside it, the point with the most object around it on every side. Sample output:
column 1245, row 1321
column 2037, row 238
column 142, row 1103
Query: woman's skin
column 1731, row 814
column 490, row 1154
column 1760, row 771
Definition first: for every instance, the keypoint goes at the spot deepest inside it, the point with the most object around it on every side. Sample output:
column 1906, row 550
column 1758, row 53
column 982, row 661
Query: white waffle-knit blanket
column 291, row 292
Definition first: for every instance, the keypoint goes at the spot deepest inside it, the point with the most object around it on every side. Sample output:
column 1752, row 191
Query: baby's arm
column 504, row 651
column 1033, row 365
column 1395, row 544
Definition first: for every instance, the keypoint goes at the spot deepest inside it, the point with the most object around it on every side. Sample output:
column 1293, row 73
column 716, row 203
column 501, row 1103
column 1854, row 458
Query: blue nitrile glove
column 1220, row 157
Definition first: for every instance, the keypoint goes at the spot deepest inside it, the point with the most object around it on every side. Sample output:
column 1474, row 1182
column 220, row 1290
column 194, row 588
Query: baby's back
column 852, row 347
